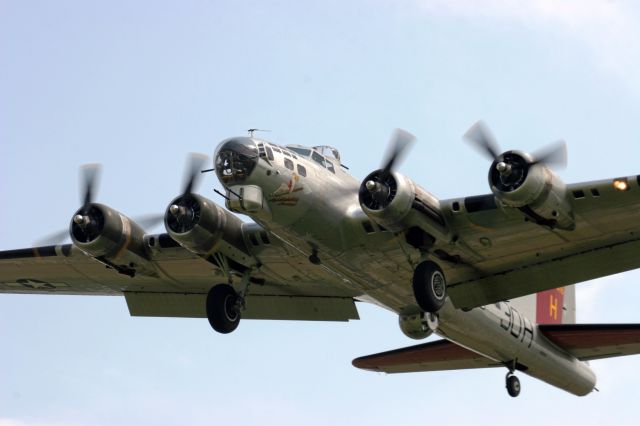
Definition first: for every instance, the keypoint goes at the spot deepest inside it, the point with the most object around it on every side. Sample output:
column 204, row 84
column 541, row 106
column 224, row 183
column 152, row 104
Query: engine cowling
column 401, row 204
column 202, row 227
column 414, row 326
column 111, row 238
column 519, row 182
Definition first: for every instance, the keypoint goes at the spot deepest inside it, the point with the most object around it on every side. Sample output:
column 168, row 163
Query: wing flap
column 440, row 355
column 300, row 308
column 595, row 341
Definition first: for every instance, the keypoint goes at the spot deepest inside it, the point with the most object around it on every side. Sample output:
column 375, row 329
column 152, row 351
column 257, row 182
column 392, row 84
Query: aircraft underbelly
column 484, row 331
column 372, row 262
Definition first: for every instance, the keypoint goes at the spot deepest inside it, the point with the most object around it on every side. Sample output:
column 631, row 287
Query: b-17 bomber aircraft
column 492, row 275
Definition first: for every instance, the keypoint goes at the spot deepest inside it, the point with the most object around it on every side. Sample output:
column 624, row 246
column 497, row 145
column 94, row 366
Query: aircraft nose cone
column 235, row 160
column 241, row 146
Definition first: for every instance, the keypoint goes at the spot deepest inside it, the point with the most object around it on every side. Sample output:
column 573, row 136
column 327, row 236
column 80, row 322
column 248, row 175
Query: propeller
column 379, row 185
column 89, row 176
column 554, row 154
column 483, row 140
column 479, row 134
column 511, row 167
column 89, row 180
column 400, row 141
column 195, row 164
column 183, row 211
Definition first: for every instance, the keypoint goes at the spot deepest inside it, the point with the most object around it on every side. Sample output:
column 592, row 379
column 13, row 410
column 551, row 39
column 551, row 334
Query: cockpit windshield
column 236, row 160
column 305, row 152
column 328, row 151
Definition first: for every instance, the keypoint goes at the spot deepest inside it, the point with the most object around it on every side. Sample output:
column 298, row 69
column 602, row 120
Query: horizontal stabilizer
column 433, row 356
column 595, row 341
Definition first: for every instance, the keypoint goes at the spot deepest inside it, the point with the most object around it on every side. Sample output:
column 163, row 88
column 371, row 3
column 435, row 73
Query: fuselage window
column 288, row 164
column 301, row 170
column 269, row 153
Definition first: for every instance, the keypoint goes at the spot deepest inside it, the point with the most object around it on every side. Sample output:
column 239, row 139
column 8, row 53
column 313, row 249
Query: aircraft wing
column 595, row 341
column 180, row 284
column 433, row 356
column 499, row 255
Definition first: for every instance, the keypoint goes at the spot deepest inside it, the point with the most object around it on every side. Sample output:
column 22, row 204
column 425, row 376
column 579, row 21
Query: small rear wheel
column 222, row 307
column 513, row 386
column 429, row 286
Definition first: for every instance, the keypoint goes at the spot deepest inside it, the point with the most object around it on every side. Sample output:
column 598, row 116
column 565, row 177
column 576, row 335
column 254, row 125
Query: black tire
column 513, row 386
column 429, row 286
column 221, row 308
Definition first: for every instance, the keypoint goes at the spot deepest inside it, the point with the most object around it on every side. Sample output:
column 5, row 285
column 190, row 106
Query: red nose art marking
column 549, row 306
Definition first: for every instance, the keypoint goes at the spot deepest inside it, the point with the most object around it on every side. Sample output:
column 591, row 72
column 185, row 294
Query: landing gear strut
column 223, row 308
column 429, row 286
column 513, row 385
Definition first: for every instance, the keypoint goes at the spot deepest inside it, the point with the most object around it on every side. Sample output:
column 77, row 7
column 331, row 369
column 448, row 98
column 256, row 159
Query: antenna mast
column 251, row 131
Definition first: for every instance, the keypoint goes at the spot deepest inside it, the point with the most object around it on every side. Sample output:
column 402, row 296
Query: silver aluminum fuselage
column 501, row 333
column 320, row 213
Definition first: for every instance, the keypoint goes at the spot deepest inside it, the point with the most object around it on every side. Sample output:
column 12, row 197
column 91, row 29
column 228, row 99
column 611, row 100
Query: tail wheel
column 429, row 286
column 223, row 310
column 513, row 386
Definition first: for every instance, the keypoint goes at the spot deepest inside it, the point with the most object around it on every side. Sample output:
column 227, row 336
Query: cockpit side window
column 328, row 151
column 323, row 162
column 330, row 166
column 317, row 158
column 269, row 153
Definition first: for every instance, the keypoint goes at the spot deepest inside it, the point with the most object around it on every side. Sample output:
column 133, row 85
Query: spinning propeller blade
column 89, row 176
column 400, row 141
column 195, row 163
column 482, row 138
column 554, row 154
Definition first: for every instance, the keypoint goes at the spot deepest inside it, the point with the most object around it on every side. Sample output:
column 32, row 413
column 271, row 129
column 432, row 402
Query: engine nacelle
column 401, row 204
column 111, row 238
column 533, row 189
column 415, row 326
column 202, row 227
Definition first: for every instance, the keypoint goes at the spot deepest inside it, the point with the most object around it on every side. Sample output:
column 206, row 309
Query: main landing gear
column 224, row 306
column 429, row 286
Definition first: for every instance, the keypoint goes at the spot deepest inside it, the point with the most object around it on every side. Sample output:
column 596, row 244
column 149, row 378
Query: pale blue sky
column 138, row 85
